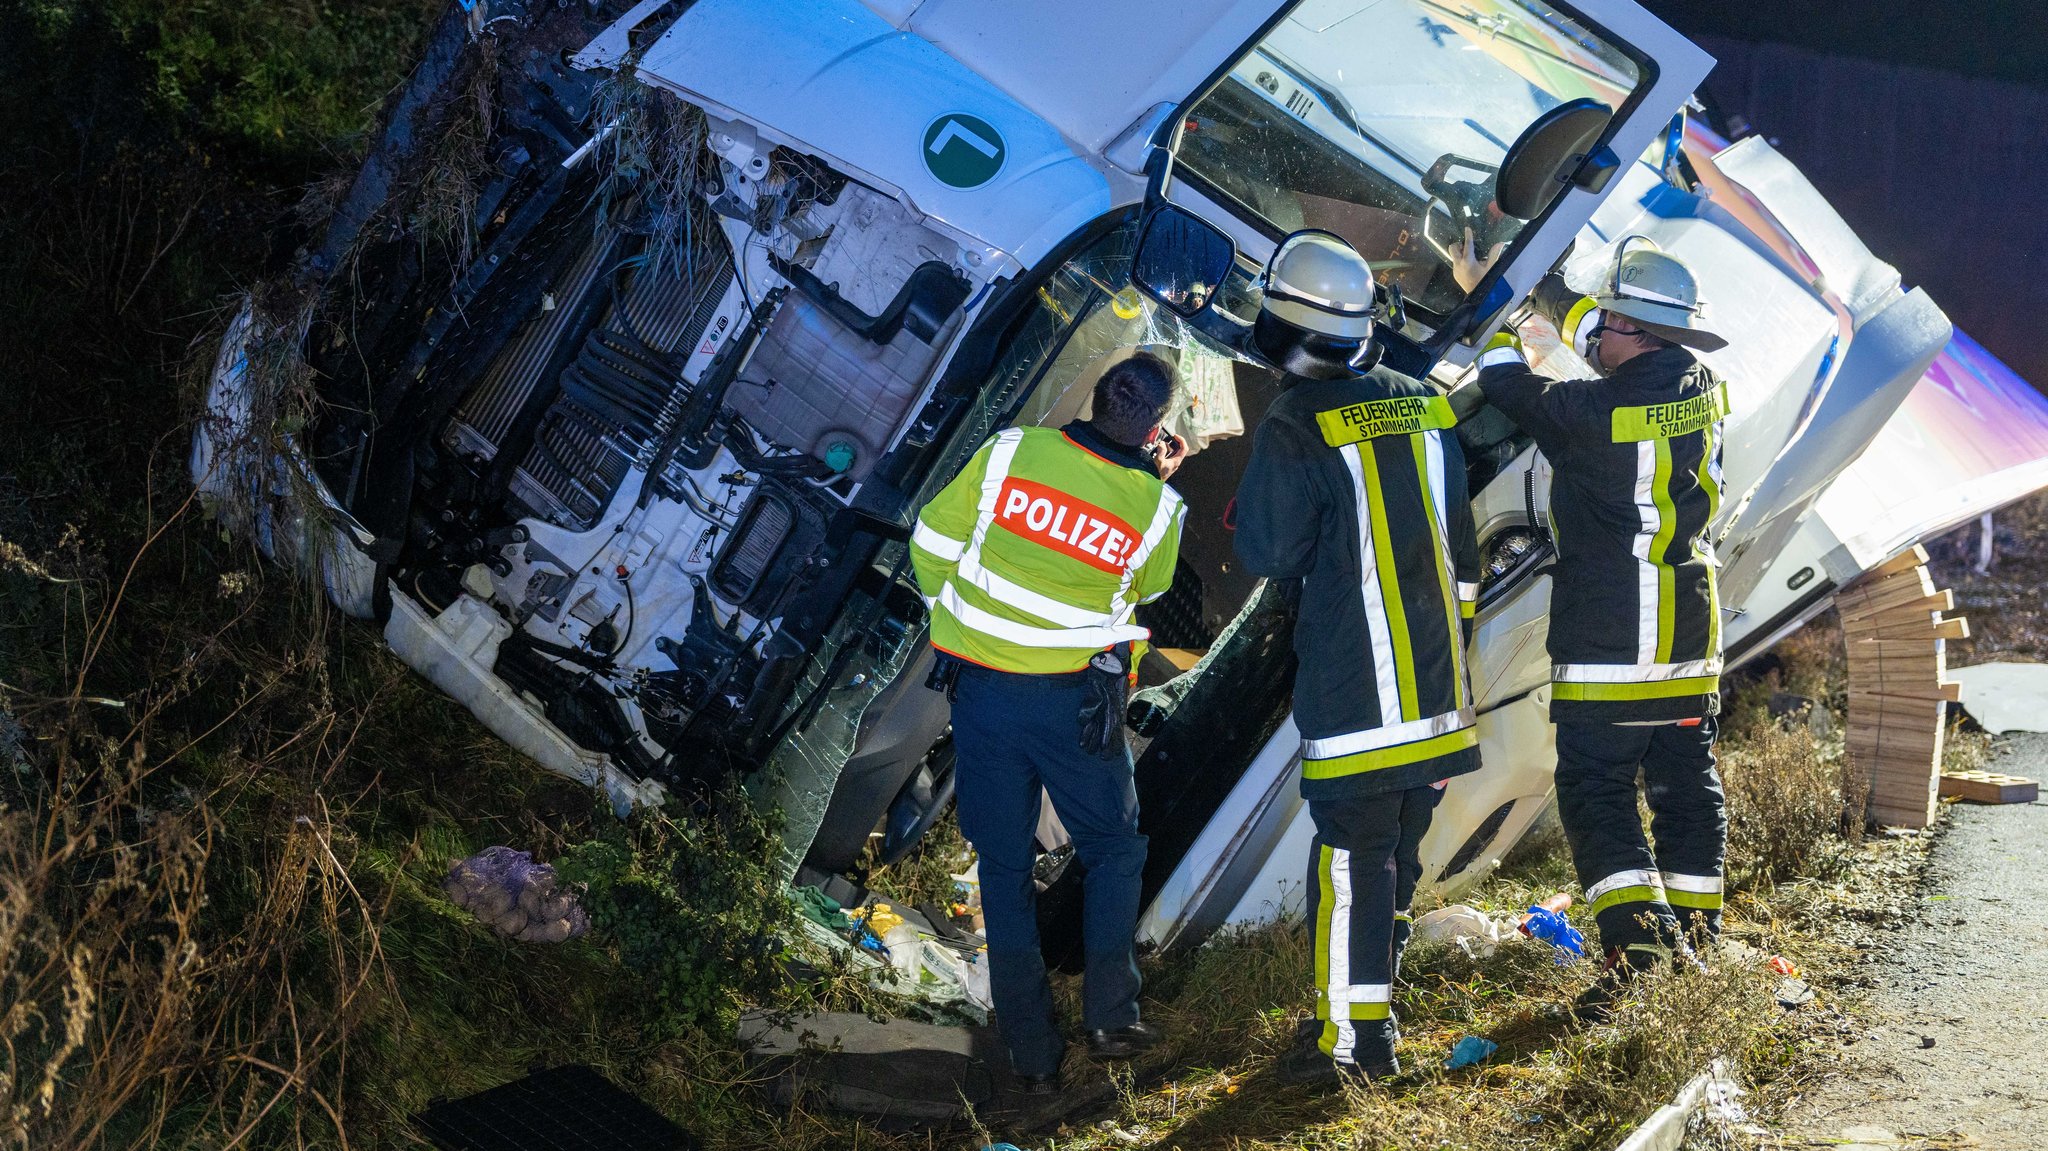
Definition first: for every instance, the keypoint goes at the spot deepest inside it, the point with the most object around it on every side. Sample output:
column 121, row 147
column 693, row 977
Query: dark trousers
column 1363, row 869
column 1012, row 736
column 1640, row 896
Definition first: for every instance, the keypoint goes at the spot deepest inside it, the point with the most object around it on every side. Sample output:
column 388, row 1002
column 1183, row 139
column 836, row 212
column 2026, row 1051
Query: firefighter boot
column 1596, row 1004
column 1404, row 927
column 1306, row 1064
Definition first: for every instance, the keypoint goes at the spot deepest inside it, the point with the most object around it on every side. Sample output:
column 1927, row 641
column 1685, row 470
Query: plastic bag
column 1468, row 927
column 515, row 896
column 1208, row 387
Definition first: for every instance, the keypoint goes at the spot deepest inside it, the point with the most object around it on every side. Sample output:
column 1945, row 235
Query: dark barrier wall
column 1944, row 176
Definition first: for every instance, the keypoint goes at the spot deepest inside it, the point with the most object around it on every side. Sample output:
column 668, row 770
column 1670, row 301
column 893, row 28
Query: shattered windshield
column 1384, row 123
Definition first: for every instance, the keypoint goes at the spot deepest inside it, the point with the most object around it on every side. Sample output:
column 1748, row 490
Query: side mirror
column 1181, row 259
column 1555, row 150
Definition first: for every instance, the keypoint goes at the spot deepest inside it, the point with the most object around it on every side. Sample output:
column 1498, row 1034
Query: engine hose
column 740, row 438
column 574, row 655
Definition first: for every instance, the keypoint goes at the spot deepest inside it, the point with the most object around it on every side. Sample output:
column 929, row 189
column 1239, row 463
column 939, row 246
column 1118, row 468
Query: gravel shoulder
column 1957, row 1017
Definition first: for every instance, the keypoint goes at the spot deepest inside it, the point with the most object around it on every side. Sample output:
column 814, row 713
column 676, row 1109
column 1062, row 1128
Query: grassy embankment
column 219, row 921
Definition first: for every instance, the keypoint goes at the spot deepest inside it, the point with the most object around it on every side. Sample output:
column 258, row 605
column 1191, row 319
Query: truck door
column 1400, row 124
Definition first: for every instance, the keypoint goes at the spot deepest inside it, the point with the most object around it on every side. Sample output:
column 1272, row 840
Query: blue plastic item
column 1553, row 928
column 1469, row 1051
column 865, row 938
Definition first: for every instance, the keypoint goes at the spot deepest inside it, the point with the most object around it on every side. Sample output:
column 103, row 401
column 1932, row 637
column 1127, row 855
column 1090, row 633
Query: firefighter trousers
column 1016, row 737
column 1640, row 895
column 1363, row 868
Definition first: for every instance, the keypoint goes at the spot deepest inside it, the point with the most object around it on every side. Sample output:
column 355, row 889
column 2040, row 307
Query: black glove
column 1107, row 680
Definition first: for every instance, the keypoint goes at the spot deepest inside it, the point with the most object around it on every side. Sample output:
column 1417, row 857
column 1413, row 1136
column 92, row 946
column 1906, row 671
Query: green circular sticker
column 963, row 151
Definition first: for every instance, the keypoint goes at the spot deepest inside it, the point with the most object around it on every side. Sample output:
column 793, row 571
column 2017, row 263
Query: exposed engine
column 644, row 442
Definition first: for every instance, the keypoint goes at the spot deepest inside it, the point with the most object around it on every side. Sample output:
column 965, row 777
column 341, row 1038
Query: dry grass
column 1793, row 805
column 1232, row 1007
column 131, row 1013
column 2002, row 604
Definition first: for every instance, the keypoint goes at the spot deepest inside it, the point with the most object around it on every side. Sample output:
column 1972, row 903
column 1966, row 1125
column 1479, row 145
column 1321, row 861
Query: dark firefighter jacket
column 1357, row 488
column 1635, row 623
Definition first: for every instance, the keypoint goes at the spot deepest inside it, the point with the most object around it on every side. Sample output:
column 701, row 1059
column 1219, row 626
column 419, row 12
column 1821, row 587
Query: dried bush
column 164, row 981
column 1791, row 799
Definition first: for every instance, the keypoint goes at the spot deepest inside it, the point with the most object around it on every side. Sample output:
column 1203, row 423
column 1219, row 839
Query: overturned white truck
column 626, row 459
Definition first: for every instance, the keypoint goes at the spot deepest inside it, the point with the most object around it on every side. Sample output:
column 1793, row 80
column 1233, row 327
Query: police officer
column 1356, row 489
column 1635, row 624
column 1035, row 558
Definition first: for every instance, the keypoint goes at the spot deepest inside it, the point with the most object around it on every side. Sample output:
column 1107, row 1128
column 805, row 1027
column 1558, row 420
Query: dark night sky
column 1924, row 124
column 1992, row 39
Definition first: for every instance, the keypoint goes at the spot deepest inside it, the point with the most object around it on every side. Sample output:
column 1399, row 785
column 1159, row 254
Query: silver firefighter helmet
column 1658, row 292
column 1316, row 319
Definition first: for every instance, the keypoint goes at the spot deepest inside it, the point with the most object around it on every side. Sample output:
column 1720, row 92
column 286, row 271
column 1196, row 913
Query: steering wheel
column 1463, row 203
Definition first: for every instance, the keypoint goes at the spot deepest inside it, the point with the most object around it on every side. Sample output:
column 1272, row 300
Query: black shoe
column 1596, row 1004
column 1305, row 1065
column 1123, row 1042
column 1040, row 1085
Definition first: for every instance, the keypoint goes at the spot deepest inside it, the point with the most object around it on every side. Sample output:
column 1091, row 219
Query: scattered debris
column 942, row 961
column 1988, row 787
column 1665, row 1129
column 1475, row 934
column 1793, row 993
column 897, row 1069
column 1926, row 1042
column 1470, row 1051
column 1735, row 950
column 820, row 909
column 515, row 896
column 1546, row 921
column 1780, row 965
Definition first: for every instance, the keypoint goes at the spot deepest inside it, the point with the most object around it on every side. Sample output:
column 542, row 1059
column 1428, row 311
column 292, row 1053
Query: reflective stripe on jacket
column 1037, row 554
column 1635, row 621
column 1357, row 488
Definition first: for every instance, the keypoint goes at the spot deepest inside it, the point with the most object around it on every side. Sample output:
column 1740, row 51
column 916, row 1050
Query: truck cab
column 628, row 461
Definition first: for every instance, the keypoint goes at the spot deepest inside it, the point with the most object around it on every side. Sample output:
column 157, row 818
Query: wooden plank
column 1874, row 664
column 1875, row 702
column 1886, row 575
column 1901, row 817
column 1896, row 728
column 1912, row 557
column 1989, row 787
column 1909, row 623
column 1881, row 578
column 1863, row 606
column 1919, row 749
column 1926, row 647
column 1897, row 734
column 1903, row 689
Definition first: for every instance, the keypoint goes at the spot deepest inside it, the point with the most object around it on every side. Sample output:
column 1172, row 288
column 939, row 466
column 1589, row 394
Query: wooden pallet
column 1988, row 787
column 1895, row 632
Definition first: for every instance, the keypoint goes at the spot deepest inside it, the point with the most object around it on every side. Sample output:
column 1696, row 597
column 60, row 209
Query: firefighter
column 1034, row 559
column 1356, row 492
column 1635, row 623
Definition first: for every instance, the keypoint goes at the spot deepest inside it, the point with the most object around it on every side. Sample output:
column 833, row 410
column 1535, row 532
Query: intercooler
column 616, row 394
